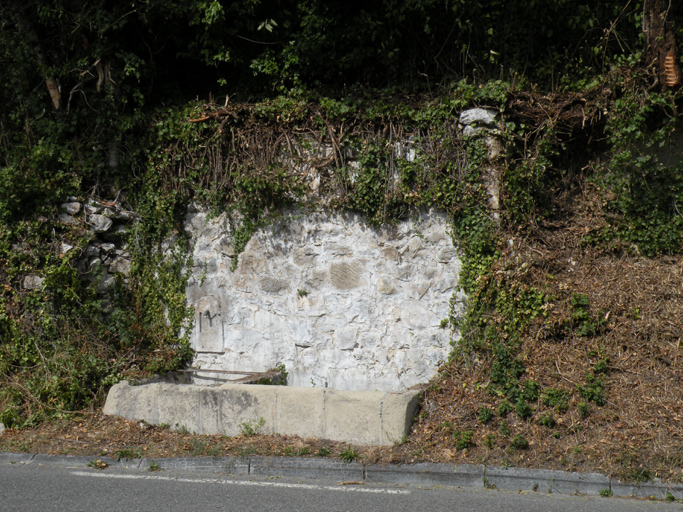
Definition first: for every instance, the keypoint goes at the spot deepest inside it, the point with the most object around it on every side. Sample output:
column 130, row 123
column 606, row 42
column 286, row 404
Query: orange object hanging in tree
column 670, row 70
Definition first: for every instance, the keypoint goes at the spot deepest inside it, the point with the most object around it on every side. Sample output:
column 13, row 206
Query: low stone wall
column 357, row 417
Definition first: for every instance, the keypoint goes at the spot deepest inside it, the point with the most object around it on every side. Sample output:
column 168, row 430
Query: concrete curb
column 455, row 475
column 458, row 475
column 306, row 468
column 231, row 465
column 545, row 481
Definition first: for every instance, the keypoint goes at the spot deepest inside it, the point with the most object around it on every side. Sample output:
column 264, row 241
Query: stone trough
column 357, row 417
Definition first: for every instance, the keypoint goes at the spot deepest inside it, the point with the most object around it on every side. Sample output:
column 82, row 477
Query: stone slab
column 478, row 115
column 245, row 406
column 300, row 406
column 306, row 468
column 397, row 413
column 352, row 417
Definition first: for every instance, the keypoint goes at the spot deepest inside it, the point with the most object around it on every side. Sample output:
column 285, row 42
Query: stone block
column 385, row 286
column 71, row 208
column 650, row 489
column 65, row 218
column 120, row 266
column 106, row 282
column 125, row 215
column 346, row 275
column 478, row 116
column 447, row 254
column 32, row 282
column 300, row 412
column 99, row 223
column 273, row 285
column 245, row 403
column 304, row 256
column 397, row 411
column 347, row 338
column 356, row 417
column 353, row 416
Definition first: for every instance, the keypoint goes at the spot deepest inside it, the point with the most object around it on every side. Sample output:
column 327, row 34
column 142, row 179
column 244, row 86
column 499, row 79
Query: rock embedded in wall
column 340, row 303
column 486, row 122
column 105, row 256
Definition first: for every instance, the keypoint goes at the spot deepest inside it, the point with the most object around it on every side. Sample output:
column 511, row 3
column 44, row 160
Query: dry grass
column 639, row 430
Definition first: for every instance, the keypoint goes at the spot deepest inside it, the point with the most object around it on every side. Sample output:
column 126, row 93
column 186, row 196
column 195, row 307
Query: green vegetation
column 557, row 399
column 130, row 452
column 252, row 428
column 199, row 447
column 97, row 464
column 349, row 454
column 463, row 439
column 519, row 442
column 485, row 414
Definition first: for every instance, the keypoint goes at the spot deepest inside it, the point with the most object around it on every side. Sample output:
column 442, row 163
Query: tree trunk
column 26, row 28
column 660, row 42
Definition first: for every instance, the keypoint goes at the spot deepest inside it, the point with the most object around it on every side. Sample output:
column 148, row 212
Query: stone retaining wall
column 341, row 304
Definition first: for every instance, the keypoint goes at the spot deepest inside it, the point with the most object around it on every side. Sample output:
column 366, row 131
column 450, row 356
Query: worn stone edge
column 458, row 475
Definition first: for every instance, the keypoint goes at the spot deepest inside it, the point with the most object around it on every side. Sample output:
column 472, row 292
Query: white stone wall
column 341, row 304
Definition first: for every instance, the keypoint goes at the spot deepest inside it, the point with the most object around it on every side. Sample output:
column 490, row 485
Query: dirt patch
column 99, row 435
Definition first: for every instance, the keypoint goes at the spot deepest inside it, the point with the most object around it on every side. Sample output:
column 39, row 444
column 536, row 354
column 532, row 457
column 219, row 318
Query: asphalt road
column 33, row 487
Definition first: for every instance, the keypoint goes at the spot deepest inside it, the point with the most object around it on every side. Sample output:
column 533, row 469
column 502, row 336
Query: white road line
column 243, row 482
